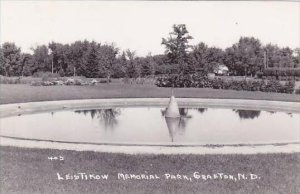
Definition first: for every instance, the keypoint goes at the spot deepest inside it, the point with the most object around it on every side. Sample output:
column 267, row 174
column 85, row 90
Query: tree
column 107, row 58
column 119, row 68
column 78, row 56
column 2, row 61
column 11, row 59
column 160, row 64
column 41, row 59
column 59, row 57
column 27, row 64
column 92, row 62
column 204, row 57
column 150, row 66
column 133, row 69
column 177, row 47
column 199, row 55
column 279, row 57
column 245, row 57
column 297, row 57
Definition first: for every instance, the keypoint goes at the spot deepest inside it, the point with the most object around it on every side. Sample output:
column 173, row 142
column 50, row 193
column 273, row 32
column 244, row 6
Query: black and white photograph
column 142, row 97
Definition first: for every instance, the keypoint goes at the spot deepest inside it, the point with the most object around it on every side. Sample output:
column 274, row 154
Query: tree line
column 92, row 59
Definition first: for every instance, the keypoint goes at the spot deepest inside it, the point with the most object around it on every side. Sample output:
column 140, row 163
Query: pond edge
column 7, row 110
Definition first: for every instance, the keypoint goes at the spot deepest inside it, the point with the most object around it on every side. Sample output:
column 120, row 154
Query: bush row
column 17, row 80
column 69, row 81
column 141, row 81
column 200, row 81
column 294, row 72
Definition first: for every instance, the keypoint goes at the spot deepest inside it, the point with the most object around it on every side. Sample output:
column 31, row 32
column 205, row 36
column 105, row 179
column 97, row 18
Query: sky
column 140, row 26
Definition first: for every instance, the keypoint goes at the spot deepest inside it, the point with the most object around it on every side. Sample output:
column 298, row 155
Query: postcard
column 149, row 97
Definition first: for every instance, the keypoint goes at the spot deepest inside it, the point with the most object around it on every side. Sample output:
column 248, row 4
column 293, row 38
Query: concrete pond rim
column 8, row 110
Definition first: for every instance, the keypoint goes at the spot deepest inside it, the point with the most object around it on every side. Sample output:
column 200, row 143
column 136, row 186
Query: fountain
column 172, row 109
column 172, row 116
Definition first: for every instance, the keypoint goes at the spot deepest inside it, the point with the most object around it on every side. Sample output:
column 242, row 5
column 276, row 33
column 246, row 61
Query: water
column 147, row 125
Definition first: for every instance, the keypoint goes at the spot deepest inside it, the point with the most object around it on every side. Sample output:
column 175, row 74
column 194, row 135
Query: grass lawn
column 15, row 93
column 30, row 171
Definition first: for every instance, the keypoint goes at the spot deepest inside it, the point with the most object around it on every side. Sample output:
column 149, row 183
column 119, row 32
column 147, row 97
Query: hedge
column 293, row 72
column 200, row 81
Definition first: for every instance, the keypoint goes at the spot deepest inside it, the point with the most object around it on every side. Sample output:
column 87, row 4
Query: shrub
column 140, row 80
column 289, row 87
column 78, row 82
column 17, row 80
column 70, row 81
column 36, row 83
column 58, row 82
column 259, row 74
column 201, row 81
column 93, row 82
column 126, row 80
column 47, row 83
column 104, row 81
column 45, row 75
column 282, row 72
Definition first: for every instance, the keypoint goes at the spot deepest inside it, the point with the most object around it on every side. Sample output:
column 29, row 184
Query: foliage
column 279, row 57
column 177, row 45
column 41, row 59
column 247, row 57
column 133, row 69
column 17, row 80
column 295, row 72
column 10, row 60
column 201, row 81
column 140, row 81
column 92, row 63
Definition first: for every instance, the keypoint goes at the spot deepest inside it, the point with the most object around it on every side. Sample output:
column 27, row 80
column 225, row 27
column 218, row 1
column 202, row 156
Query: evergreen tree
column 92, row 63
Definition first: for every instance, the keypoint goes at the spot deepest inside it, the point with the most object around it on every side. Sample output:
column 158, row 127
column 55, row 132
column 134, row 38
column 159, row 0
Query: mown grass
column 17, row 93
column 29, row 171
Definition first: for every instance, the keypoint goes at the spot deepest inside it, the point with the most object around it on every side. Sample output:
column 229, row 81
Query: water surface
column 147, row 125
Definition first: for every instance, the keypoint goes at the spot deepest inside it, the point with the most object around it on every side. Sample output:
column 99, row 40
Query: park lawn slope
column 19, row 93
column 30, row 171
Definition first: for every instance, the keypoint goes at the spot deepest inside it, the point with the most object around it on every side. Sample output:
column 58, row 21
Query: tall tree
column 11, row 59
column 2, row 61
column 78, row 57
column 41, row 59
column 133, row 69
column 27, row 64
column 107, row 58
column 119, row 68
column 59, row 57
column 297, row 57
column 246, row 56
column 279, row 57
column 177, row 46
column 92, row 62
column 199, row 55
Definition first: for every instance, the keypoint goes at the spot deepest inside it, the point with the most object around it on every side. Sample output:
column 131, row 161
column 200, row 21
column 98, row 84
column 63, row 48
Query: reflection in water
column 173, row 126
column 144, row 125
column 184, row 117
column 201, row 110
column 107, row 116
column 177, row 125
column 247, row 114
